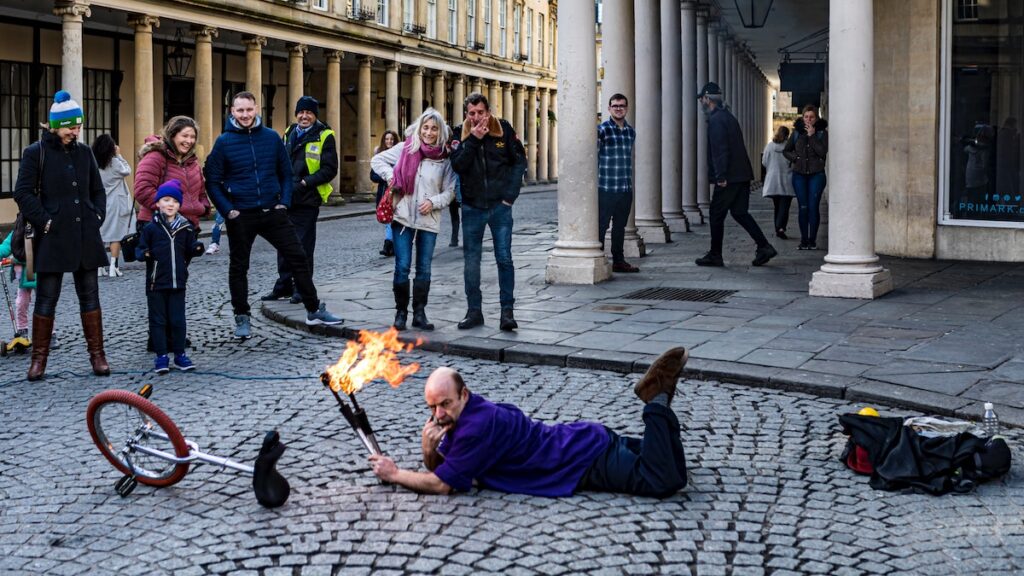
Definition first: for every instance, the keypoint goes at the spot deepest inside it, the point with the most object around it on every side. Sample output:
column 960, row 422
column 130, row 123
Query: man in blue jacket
column 249, row 178
column 729, row 169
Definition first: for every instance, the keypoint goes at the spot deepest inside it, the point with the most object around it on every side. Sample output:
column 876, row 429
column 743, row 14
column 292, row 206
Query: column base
column 694, row 216
column 658, row 234
column 581, row 269
column 632, row 245
column 863, row 286
column 677, row 222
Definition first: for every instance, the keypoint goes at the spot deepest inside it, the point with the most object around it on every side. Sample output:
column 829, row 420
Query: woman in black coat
column 60, row 192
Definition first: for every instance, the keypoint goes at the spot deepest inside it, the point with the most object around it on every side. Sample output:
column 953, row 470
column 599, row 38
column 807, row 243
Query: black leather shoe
column 473, row 319
column 507, row 323
column 764, row 254
column 400, row 317
column 710, row 259
column 419, row 320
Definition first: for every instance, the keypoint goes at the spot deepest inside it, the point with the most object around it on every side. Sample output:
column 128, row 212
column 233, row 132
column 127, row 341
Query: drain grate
column 685, row 294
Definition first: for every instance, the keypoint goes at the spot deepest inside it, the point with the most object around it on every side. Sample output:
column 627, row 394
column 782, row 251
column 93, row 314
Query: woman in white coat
column 778, row 180
column 422, row 183
column 120, row 203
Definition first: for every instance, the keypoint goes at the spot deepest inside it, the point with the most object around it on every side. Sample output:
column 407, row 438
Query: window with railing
column 540, row 39
column 408, row 13
column 432, row 19
column 471, row 22
column 529, row 35
column 503, row 28
column 517, row 25
column 382, row 12
column 488, row 6
column 453, row 22
column 551, row 43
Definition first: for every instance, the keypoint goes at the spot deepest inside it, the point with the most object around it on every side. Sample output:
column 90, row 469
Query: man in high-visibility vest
column 314, row 153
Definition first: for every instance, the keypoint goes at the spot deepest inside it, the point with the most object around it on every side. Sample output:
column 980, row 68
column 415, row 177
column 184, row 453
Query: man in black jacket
column 490, row 161
column 729, row 169
column 314, row 155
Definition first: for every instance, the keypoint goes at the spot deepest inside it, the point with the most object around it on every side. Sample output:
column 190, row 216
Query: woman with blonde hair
column 778, row 180
column 422, row 183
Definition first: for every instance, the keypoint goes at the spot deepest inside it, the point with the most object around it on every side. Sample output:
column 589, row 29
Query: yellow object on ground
column 868, row 411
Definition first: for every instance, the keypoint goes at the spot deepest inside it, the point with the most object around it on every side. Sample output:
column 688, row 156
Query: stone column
column 851, row 268
column 364, row 148
column 458, row 99
column 545, row 134
column 296, row 84
column 254, row 67
column 577, row 257
column 703, row 186
column 673, row 129
column 689, row 107
column 439, row 93
column 478, row 86
column 711, row 48
column 730, row 75
column 416, row 93
column 531, row 135
column 507, row 106
column 649, row 127
column 617, row 54
column 72, row 13
column 145, row 121
column 519, row 108
column 494, row 97
column 553, row 140
column 391, row 96
column 334, row 110
column 720, row 43
column 204, row 36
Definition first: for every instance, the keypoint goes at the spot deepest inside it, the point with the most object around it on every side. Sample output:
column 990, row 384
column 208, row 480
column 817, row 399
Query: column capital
column 459, row 78
column 254, row 42
column 334, row 56
column 689, row 4
column 440, row 74
column 203, row 33
column 365, row 61
column 544, row 90
column 418, row 71
column 74, row 10
column 298, row 49
column 144, row 22
column 395, row 66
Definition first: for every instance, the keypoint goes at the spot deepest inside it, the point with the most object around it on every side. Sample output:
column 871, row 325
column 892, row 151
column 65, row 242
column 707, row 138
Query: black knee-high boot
column 420, row 290
column 401, row 305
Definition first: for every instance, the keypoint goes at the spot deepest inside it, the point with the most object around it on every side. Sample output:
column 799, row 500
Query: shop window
column 983, row 107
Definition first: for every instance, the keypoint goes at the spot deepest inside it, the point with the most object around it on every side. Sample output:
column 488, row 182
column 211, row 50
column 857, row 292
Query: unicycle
column 145, row 445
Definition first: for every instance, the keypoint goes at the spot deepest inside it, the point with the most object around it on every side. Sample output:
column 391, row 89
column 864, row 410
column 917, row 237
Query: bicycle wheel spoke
column 125, row 426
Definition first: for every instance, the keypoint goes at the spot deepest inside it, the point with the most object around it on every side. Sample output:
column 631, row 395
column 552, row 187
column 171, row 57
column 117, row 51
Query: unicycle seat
column 271, row 488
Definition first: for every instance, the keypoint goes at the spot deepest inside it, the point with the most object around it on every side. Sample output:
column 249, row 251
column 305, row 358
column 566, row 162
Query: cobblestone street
column 767, row 493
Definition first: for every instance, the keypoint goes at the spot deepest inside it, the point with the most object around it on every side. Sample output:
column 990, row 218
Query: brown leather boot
column 42, row 333
column 662, row 375
column 92, row 325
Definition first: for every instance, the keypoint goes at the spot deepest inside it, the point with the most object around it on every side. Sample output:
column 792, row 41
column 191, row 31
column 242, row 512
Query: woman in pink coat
column 172, row 155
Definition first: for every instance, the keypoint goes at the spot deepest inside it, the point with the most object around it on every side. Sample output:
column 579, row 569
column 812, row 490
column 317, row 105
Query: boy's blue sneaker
column 183, row 363
column 162, row 364
column 242, row 329
column 322, row 316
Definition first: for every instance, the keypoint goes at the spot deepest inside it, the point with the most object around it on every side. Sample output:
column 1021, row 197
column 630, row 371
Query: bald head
column 446, row 395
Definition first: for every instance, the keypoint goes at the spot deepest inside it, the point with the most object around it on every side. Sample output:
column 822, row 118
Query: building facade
column 372, row 64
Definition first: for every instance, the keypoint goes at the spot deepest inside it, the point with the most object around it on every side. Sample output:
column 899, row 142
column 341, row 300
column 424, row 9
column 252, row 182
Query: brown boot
column 42, row 333
column 662, row 375
column 92, row 325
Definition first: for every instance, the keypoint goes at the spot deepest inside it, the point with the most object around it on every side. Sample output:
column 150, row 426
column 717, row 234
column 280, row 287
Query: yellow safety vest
column 313, row 151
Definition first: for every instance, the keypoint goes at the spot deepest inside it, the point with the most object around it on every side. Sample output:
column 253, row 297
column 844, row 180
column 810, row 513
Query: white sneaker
column 114, row 272
column 101, row 271
column 213, row 249
column 118, row 272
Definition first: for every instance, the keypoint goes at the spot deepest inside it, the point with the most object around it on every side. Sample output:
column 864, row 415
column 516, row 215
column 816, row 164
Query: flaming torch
column 374, row 356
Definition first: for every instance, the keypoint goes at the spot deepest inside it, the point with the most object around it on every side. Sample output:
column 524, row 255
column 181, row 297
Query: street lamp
column 178, row 58
column 753, row 13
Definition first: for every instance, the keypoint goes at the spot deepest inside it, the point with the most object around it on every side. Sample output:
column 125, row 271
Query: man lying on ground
column 470, row 440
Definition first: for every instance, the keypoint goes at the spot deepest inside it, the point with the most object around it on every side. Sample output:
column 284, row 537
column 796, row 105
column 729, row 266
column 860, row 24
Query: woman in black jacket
column 807, row 149
column 60, row 192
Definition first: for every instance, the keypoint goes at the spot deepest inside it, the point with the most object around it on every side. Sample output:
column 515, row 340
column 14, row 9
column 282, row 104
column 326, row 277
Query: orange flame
column 374, row 356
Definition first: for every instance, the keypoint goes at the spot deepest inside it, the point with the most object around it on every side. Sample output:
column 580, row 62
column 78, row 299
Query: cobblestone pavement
column 767, row 494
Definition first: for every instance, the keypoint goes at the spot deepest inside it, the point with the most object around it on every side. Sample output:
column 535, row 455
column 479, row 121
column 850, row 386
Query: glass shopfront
column 985, row 107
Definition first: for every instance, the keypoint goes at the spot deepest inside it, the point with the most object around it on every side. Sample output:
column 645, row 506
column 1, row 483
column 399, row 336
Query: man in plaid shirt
column 615, row 139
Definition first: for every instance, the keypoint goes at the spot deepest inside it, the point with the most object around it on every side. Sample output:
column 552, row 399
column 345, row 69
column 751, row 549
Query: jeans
column 404, row 238
column 652, row 466
column 782, row 204
column 167, row 314
column 218, row 223
column 304, row 219
column 614, row 208
column 808, row 188
column 499, row 219
column 48, row 291
column 276, row 228
column 733, row 199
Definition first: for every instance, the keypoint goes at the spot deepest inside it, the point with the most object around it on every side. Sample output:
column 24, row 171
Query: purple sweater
column 502, row 449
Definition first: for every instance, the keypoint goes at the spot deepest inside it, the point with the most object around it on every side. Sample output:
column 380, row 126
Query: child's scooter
column 18, row 344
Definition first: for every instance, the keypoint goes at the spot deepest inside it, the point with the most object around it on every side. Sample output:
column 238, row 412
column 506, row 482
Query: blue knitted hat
column 170, row 188
column 65, row 111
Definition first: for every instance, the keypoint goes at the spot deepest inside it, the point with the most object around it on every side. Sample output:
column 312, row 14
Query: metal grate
column 685, row 294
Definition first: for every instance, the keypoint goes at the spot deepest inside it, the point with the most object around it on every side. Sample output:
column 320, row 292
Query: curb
column 849, row 388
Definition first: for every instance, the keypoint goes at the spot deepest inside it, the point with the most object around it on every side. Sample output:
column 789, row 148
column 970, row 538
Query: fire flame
column 374, row 356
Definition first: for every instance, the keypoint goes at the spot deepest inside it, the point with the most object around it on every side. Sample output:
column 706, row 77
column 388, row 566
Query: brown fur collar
column 494, row 128
column 155, row 143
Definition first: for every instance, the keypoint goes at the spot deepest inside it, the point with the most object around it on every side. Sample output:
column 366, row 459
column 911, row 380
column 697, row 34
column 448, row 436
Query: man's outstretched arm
column 422, row 482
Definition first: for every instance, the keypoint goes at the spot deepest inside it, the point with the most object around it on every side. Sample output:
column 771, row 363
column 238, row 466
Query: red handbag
column 386, row 207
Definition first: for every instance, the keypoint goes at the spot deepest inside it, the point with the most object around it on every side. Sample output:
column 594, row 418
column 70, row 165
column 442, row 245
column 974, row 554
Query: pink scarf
column 408, row 163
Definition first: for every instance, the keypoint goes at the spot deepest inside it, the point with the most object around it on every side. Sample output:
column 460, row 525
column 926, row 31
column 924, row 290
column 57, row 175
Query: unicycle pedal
column 125, row 485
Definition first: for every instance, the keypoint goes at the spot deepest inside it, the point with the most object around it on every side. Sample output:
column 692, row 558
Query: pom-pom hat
column 65, row 111
column 170, row 188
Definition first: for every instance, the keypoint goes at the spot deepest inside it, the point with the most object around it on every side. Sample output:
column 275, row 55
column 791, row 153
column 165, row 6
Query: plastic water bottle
column 990, row 422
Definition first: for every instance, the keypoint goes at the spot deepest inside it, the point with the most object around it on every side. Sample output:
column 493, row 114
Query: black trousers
column 275, row 227
column 733, row 199
column 613, row 208
column 304, row 220
column 48, row 286
column 167, row 315
column 782, row 204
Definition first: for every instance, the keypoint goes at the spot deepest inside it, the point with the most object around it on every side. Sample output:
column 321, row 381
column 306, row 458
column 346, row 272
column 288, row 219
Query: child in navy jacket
column 167, row 244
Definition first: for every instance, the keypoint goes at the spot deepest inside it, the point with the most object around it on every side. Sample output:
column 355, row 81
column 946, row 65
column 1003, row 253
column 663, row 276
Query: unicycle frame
column 194, row 454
